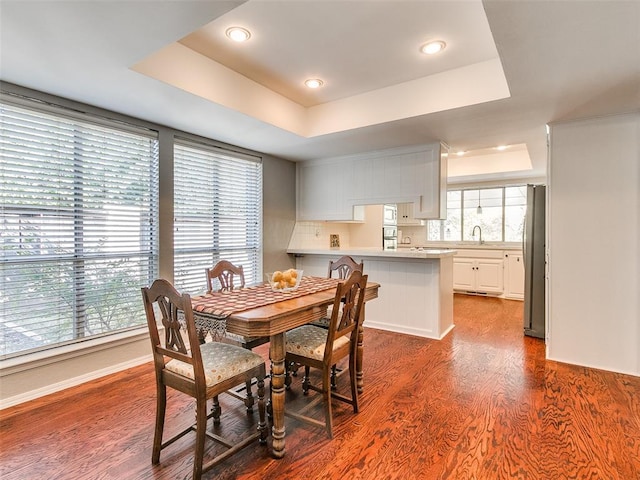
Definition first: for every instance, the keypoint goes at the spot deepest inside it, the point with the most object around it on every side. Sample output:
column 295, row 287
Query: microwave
column 390, row 215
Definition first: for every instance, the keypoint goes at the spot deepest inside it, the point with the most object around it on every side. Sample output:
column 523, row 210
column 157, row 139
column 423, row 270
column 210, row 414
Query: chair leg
column 161, row 406
column 334, row 377
column 201, row 426
column 249, row 401
column 291, row 370
column 354, row 383
column 305, row 381
column 262, row 423
column 326, row 392
column 216, row 411
column 288, row 366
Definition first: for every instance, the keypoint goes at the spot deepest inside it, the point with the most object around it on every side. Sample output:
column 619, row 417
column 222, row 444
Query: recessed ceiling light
column 432, row 48
column 238, row 34
column 313, row 83
column 502, row 147
column 460, row 153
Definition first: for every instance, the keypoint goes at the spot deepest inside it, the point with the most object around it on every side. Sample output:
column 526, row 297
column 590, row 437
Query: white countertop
column 377, row 252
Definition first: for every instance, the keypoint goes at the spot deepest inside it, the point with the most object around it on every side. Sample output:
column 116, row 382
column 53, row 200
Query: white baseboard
column 446, row 332
column 401, row 329
column 72, row 382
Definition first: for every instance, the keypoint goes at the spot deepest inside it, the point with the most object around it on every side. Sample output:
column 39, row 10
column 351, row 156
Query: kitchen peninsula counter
column 416, row 286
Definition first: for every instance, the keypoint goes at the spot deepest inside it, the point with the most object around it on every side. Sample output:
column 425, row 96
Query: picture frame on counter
column 334, row 240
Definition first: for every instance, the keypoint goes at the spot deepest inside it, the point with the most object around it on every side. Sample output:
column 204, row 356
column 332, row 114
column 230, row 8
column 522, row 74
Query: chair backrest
column 346, row 314
column 175, row 312
column 226, row 273
column 344, row 267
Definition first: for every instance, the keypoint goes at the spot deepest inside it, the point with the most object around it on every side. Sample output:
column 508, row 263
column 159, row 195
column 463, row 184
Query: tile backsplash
column 317, row 235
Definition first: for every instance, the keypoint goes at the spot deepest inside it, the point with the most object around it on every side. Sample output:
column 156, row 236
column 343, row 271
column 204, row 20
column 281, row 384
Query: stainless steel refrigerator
column 534, row 262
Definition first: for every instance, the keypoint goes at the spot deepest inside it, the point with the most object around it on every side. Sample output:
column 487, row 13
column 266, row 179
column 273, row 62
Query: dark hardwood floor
column 481, row 404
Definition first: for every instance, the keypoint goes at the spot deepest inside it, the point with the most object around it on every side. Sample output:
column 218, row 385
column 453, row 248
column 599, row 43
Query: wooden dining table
column 258, row 311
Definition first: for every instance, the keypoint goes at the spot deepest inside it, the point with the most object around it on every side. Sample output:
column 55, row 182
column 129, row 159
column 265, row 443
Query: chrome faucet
column 473, row 234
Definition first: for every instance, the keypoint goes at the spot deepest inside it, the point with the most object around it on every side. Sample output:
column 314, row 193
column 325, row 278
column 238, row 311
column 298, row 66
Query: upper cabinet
column 331, row 189
column 405, row 215
column 320, row 192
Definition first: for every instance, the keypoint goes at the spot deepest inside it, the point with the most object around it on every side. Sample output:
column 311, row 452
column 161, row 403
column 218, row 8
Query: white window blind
column 78, row 226
column 218, row 213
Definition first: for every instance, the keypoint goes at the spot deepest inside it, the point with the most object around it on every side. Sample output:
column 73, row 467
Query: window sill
column 22, row 363
column 485, row 245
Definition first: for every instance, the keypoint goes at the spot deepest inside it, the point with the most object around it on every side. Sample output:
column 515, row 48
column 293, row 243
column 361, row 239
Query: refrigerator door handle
column 524, row 243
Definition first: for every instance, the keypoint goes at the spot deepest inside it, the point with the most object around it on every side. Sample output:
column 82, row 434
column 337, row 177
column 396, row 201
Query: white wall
column 369, row 233
column 594, row 243
column 279, row 212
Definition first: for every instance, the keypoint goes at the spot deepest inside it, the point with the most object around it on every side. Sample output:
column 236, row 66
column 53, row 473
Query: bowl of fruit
column 284, row 280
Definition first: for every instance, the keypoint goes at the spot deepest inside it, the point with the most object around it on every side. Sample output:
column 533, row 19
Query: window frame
column 100, row 144
column 441, row 223
column 231, row 211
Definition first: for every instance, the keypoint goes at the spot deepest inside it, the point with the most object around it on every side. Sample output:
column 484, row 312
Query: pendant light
column 479, row 209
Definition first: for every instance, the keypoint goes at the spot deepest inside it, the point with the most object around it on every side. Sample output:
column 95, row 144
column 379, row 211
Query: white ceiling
column 510, row 68
column 354, row 46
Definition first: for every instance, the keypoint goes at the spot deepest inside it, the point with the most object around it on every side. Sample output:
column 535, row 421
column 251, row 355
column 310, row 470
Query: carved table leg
column 277, row 354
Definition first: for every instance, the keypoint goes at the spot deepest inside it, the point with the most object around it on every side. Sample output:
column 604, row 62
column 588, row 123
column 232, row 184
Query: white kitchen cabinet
column 464, row 275
column 324, row 194
column 483, row 275
column 321, row 192
column 331, row 189
column 514, row 273
column 405, row 215
column 489, row 275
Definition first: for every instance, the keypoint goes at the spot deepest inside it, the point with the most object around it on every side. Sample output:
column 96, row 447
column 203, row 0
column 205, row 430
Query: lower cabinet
column 484, row 275
column 514, row 274
column 492, row 272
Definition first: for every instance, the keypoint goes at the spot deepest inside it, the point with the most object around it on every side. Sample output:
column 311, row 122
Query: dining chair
column 230, row 276
column 321, row 348
column 200, row 371
column 342, row 268
column 226, row 274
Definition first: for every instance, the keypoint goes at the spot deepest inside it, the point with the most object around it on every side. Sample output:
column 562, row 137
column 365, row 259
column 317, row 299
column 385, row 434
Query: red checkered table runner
column 221, row 305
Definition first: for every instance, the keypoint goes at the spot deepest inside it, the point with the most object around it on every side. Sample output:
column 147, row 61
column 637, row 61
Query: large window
column 498, row 211
column 78, row 225
column 218, row 212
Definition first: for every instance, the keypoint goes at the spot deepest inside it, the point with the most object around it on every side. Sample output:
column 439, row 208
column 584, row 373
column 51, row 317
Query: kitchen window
column 499, row 211
column 78, row 225
column 217, row 210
